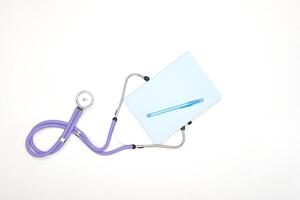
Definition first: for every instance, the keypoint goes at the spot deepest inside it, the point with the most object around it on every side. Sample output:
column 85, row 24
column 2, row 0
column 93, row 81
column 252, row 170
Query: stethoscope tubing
column 70, row 128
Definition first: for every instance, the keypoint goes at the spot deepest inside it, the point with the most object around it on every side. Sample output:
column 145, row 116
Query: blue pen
column 181, row 106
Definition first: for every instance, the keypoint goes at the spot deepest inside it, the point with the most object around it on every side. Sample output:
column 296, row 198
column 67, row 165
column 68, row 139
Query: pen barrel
column 184, row 105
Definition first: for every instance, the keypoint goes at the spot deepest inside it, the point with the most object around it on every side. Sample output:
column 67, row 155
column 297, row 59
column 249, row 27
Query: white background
column 245, row 147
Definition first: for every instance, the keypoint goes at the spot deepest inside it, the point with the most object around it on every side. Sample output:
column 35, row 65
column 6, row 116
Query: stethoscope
column 85, row 99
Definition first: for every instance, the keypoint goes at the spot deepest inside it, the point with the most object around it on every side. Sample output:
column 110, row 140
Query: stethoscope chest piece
column 84, row 99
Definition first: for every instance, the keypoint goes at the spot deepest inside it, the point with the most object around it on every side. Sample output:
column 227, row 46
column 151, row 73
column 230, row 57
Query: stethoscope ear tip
column 84, row 99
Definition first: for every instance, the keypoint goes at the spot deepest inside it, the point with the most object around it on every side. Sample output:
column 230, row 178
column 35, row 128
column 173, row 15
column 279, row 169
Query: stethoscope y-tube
column 84, row 99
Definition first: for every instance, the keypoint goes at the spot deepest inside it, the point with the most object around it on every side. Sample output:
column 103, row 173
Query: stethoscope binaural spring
column 85, row 99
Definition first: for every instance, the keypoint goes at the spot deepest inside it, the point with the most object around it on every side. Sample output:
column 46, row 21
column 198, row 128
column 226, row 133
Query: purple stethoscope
column 84, row 99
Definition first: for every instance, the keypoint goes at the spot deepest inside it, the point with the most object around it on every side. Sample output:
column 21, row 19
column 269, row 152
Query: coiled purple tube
column 68, row 129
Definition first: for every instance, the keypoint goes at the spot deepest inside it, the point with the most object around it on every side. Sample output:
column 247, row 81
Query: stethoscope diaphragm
column 84, row 99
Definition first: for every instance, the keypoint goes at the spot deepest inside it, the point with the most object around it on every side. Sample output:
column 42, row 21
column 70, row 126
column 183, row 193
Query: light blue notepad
column 173, row 97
